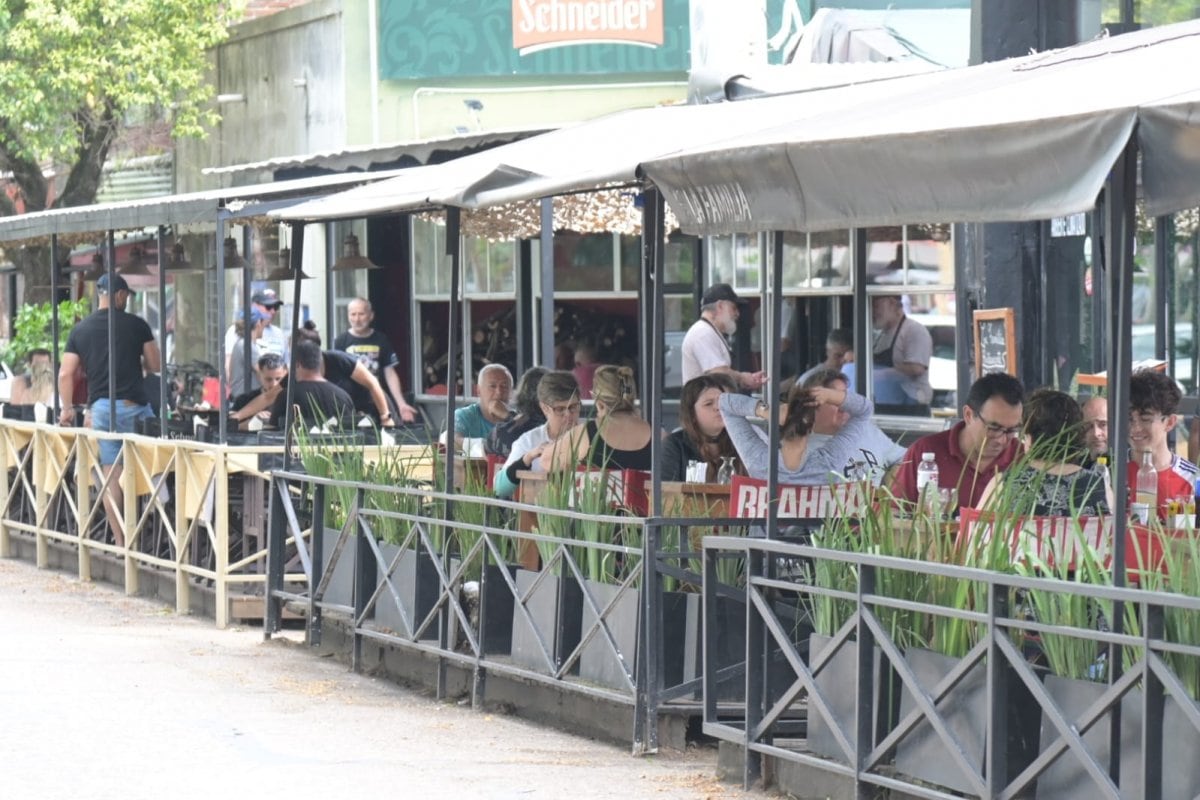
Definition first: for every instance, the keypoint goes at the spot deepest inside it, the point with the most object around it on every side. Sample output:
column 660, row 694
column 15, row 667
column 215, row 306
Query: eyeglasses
column 1144, row 420
column 563, row 411
column 995, row 431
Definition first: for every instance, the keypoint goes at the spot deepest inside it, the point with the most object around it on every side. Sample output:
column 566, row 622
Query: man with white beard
column 705, row 347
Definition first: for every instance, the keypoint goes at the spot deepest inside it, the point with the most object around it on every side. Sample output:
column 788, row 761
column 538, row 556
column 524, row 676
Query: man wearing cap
column 134, row 351
column 267, row 303
column 705, row 348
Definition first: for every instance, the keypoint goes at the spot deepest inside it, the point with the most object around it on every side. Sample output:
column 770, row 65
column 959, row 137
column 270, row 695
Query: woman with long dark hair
column 702, row 435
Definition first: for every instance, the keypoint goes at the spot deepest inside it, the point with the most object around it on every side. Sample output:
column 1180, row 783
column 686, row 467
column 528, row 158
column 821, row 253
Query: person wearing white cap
column 705, row 348
column 134, row 353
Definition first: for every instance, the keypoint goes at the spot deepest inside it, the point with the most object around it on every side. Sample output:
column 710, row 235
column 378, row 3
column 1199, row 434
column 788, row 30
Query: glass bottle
column 725, row 471
column 1145, row 503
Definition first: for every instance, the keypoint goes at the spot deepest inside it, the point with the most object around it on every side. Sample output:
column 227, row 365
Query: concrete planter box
column 556, row 609
column 1066, row 777
column 597, row 662
column 340, row 589
column 838, row 685
column 922, row 754
column 416, row 581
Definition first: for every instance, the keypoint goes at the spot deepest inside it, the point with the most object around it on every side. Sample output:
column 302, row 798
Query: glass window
column 679, row 258
column 430, row 270
column 583, row 262
column 631, row 262
column 935, row 312
column 735, row 260
column 914, row 255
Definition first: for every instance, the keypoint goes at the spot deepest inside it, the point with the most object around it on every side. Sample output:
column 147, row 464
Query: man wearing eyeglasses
column 976, row 448
column 1153, row 399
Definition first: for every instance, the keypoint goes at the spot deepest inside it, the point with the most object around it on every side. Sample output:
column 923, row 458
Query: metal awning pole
column 768, row 323
column 453, row 336
column 111, row 272
column 297, row 264
column 862, row 309
column 222, row 377
column 161, row 244
column 1119, row 207
column 547, row 265
column 653, row 233
column 54, row 324
column 247, row 323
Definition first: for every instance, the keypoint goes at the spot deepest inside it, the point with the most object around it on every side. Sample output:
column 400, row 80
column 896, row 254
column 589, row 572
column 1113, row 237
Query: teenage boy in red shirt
column 1153, row 399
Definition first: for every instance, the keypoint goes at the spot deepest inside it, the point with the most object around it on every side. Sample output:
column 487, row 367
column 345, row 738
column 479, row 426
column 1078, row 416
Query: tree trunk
column 34, row 264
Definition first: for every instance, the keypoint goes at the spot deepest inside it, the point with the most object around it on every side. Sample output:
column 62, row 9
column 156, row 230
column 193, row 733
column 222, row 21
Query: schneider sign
column 539, row 24
column 461, row 38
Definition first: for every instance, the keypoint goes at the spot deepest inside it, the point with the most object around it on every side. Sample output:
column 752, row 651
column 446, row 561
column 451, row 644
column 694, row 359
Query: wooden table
column 530, row 491
column 473, row 470
column 681, row 499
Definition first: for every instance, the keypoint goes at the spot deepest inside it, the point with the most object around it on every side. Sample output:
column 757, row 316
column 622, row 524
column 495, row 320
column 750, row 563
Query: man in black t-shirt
column 134, row 353
column 374, row 351
column 317, row 399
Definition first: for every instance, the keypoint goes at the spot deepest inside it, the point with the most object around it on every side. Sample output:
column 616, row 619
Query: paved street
column 104, row 696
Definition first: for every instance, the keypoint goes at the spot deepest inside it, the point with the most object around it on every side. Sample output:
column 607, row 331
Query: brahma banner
column 540, row 24
column 750, row 500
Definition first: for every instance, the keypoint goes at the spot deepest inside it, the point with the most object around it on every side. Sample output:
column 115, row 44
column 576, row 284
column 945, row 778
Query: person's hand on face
column 494, row 392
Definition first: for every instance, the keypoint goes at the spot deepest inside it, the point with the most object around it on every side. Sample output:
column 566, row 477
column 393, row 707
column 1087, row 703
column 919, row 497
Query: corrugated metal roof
column 180, row 209
column 364, row 157
column 137, row 179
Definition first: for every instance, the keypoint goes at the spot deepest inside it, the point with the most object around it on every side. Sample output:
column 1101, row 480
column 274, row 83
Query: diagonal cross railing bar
column 1070, row 733
column 599, row 624
column 1175, row 689
column 804, row 678
column 939, row 692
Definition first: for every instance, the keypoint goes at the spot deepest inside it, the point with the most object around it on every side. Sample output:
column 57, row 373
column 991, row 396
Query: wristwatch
column 761, row 409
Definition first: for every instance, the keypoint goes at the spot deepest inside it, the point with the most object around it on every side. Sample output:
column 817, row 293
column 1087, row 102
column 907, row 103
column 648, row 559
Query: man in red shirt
column 1153, row 400
column 975, row 449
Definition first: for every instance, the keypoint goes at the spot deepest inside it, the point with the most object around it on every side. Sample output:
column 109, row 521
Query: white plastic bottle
column 927, row 475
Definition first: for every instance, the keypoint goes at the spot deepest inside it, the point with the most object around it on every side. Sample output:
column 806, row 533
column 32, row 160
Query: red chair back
column 1053, row 538
column 748, row 499
column 494, row 463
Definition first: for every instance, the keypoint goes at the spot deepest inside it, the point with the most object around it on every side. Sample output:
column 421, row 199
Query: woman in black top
column 618, row 438
column 702, row 436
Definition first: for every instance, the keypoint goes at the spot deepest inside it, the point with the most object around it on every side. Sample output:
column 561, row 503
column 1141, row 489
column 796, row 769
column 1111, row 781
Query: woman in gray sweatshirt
column 797, row 465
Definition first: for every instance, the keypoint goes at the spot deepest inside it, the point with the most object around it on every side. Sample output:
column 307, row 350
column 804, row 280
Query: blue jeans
column 128, row 413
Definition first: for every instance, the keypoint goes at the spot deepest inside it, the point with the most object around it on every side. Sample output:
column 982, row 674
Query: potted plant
column 549, row 608
column 832, row 647
column 403, row 604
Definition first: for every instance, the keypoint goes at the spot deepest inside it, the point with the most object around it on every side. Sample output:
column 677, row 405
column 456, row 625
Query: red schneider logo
column 543, row 24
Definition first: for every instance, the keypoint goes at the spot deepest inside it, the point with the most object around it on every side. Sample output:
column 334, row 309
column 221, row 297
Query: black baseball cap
column 118, row 284
column 267, row 298
column 720, row 291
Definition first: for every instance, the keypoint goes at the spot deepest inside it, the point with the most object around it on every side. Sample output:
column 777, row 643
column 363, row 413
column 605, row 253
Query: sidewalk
column 105, row 696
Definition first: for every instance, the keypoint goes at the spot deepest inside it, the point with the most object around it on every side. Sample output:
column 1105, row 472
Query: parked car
column 6, row 382
column 1185, row 351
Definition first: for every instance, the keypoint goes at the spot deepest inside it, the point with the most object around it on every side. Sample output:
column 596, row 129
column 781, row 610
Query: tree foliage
column 73, row 70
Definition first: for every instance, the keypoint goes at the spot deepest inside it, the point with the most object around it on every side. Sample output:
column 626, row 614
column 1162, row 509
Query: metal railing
column 873, row 740
column 444, row 580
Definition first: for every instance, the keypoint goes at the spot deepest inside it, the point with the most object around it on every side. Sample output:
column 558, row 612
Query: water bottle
column 927, row 475
column 1145, row 501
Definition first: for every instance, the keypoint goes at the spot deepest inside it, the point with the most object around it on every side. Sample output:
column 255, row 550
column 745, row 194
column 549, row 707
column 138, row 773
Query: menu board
column 995, row 342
